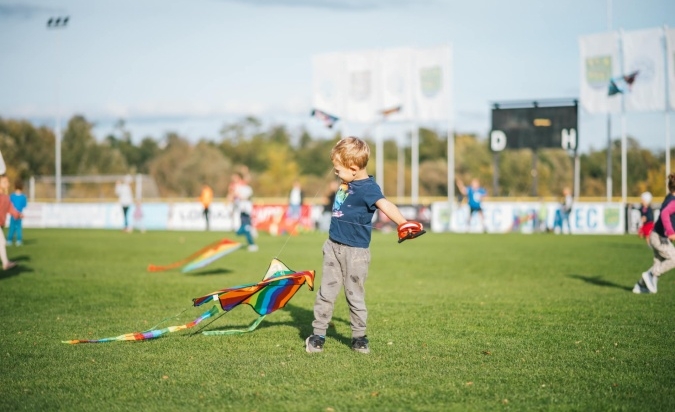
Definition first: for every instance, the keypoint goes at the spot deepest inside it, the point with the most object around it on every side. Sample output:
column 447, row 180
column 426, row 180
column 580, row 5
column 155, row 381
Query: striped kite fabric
column 275, row 290
column 202, row 257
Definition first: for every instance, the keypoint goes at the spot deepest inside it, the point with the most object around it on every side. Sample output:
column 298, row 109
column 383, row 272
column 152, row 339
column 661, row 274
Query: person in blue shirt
column 346, row 252
column 19, row 202
column 474, row 195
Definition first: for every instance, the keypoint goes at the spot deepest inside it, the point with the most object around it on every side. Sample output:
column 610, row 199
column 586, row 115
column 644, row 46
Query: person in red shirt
column 646, row 216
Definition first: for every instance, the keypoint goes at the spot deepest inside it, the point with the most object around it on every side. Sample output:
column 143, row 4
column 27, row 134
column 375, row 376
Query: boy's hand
column 410, row 230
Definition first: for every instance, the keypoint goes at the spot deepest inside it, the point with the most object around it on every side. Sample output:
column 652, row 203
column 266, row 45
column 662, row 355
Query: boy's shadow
column 302, row 320
column 599, row 281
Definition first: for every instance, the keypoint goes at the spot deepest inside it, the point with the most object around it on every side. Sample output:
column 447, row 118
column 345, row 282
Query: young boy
column 19, row 202
column 346, row 255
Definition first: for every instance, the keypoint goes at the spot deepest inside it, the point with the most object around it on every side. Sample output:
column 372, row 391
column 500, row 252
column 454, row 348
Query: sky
column 191, row 66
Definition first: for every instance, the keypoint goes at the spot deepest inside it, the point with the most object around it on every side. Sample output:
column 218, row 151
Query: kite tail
column 150, row 334
column 235, row 331
column 158, row 268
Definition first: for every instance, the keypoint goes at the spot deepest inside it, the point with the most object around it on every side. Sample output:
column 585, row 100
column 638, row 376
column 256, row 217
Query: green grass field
column 456, row 322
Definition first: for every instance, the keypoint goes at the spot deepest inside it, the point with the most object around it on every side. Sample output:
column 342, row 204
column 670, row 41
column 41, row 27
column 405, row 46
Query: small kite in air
column 277, row 287
column 327, row 119
column 621, row 84
column 202, row 257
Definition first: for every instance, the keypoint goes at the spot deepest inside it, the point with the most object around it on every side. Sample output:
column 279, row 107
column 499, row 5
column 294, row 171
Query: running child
column 660, row 240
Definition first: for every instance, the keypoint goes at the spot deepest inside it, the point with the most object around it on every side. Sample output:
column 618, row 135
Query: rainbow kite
column 202, row 257
column 273, row 292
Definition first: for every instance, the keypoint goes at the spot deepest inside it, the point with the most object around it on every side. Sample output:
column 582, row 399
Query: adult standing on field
column 206, row 197
column 125, row 198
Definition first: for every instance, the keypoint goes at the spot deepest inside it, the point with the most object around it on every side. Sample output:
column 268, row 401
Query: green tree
column 181, row 169
column 82, row 155
column 28, row 151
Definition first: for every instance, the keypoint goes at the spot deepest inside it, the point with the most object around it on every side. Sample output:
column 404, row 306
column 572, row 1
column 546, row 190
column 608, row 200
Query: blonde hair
column 351, row 151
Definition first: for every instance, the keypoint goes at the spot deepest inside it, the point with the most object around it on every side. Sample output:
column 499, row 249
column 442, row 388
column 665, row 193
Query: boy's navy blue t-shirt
column 353, row 210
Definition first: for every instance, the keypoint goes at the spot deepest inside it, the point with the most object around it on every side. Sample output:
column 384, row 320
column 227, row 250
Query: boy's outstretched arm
column 406, row 229
column 390, row 210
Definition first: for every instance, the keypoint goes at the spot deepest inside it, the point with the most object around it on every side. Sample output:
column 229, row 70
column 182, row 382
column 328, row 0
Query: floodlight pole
column 57, row 23
column 609, row 121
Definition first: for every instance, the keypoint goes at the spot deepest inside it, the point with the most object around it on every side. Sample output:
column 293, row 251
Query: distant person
column 660, row 240
column 125, row 198
column 475, row 194
column 241, row 198
column 562, row 217
column 5, row 208
column 138, row 216
column 346, row 252
column 19, row 201
column 646, row 216
column 206, row 197
column 324, row 221
column 295, row 200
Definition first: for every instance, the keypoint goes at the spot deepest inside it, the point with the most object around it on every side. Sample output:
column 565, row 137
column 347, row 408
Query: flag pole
column 609, row 121
column 379, row 156
column 624, row 168
column 667, row 107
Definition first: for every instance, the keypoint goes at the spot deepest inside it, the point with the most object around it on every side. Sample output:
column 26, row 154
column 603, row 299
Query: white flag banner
column 395, row 81
column 328, row 83
column 599, row 63
column 432, row 83
column 362, row 92
column 643, row 53
column 670, row 59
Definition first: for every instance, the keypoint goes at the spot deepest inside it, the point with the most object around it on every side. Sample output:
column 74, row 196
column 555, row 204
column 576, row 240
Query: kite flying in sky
column 202, row 257
column 327, row 119
column 275, row 290
column 621, row 84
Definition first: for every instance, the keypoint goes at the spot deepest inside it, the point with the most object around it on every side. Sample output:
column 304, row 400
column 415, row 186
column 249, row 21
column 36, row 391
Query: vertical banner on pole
column 362, row 94
column 395, row 83
column 432, row 83
column 328, row 83
column 599, row 63
column 643, row 53
column 670, row 63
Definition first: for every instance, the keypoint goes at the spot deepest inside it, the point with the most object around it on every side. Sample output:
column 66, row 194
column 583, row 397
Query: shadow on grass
column 21, row 258
column 16, row 270
column 599, row 281
column 210, row 272
column 302, row 320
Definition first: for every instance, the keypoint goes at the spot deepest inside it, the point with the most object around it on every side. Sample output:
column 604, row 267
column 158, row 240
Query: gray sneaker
column 360, row 344
column 650, row 281
column 314, row 344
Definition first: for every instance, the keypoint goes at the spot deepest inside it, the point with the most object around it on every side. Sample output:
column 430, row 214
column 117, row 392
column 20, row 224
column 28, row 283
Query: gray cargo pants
column 342, row 266
column 664, row 254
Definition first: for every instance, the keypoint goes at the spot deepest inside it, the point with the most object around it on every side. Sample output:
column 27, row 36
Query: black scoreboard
column 534, row 126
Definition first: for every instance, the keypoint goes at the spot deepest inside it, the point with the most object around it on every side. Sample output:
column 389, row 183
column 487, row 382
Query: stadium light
column 57, row 23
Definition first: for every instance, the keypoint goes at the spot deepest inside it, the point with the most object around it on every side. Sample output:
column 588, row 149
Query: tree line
column 275, row 158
